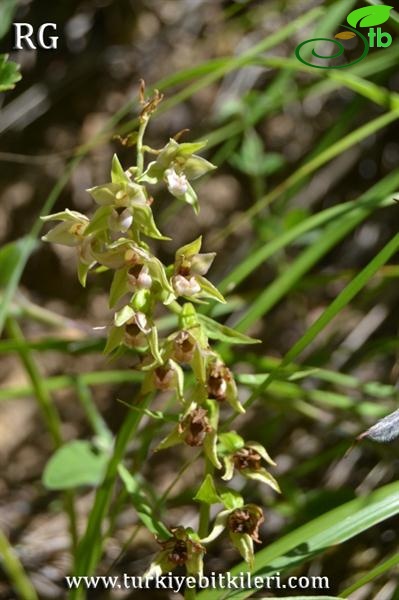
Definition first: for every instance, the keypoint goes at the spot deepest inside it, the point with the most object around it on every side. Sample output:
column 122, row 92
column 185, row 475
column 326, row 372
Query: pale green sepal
column 118, row 287
column 123, row 315
column 209, row 290
column 118, row 175
column 263, row 476
column 115, row 339
column 261, row 450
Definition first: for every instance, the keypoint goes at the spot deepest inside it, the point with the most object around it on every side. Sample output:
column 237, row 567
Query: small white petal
column 177, row 184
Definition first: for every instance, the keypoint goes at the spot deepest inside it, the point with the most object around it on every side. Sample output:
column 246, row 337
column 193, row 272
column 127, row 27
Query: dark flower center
column 247, row 458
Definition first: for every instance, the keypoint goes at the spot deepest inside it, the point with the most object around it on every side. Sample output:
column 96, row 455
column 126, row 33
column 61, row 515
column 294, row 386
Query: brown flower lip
column 163, row 377
column 179, row 555
column 183, row 347
column 195, row 426
column 179, row 549
column 132, row 330
column 247, row 458
column 246, row 520
column 218, row 377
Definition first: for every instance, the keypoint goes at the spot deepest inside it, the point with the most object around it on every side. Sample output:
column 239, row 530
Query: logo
column 368, row 17
column 26, row 38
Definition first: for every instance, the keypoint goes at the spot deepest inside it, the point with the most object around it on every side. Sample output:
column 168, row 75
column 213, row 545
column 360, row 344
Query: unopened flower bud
column 177, row 184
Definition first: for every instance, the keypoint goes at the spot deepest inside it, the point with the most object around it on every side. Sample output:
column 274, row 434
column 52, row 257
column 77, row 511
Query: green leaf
column 252, row 158
column 207, row 492
column 369, row 16
column 302, row 544
column 145, row 512
column 220, row 332
column 9, row 73
column 74, row 464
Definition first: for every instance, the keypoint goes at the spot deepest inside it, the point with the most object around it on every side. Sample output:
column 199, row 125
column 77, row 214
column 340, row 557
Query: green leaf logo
column 369, row 16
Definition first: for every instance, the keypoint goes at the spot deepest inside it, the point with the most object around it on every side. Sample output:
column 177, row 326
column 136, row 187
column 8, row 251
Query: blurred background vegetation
column 228, row 75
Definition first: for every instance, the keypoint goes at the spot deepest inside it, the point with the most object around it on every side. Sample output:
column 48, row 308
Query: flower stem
column 205, row 509
column 140, row 147
column 190, row 594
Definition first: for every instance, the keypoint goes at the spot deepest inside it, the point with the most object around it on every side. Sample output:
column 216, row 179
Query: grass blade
column 331, row 529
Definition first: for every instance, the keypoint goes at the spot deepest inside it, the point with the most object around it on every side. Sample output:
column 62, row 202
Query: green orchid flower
column 242, row 524
column 196, row 427
column 189, row 269
column 73, row 231
column 177, row 165
column 245, row 458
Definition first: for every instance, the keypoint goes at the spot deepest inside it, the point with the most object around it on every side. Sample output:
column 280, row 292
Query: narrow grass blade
column 342, row 300
column 15, row 571
column 332, row 528
column 379, row 570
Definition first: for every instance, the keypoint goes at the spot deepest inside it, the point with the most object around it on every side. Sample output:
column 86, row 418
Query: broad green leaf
column 145, row 511
column 220, row 332
column 369, row 16
column 9, row 73
column 324, row 532
column 207, row 492
column 73, row 465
